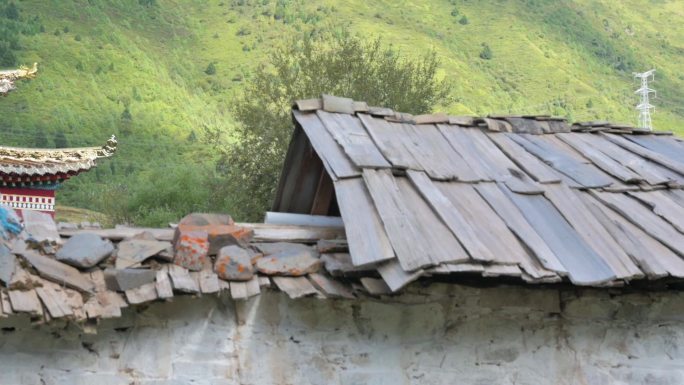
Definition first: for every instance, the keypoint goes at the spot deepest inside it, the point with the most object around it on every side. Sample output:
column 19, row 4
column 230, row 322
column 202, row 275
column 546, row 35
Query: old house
column 401, row 249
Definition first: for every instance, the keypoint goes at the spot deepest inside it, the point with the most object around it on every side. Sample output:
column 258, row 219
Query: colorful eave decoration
column 8, row 77
column 47, row 168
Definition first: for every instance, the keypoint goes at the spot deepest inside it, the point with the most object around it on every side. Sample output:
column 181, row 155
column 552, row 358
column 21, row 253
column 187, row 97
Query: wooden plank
column 663, row 145
column 262, row 232
column 583, row 264
column 338, row 104
column 5, row 302
column 238, row 290
column 208, row 282
column 291, row 219
column 590, row 229
column 297, row 165
column 98, row 278
column 676, row 195
column 295, row 287
column 644, row 218
column 653, row 257
column 387, row 140
column 485, row 224
column 499, row 270
column 323, row 196
column 142, row 294
column 647, row 170
column 334, row 159
column 309, row 104
column 418, row 237
column 602, row 161
column 163, row 283
column 181, row 279
column 368, row 242
column 464, row 230
column 295, row 234
column 436, row 155
column 525, row 126
column 253, row 287
column 394, row 275
column 349, row 133
column 330, row 287
column 584, row 174
column 25, row 302
column 54, row 299
column 497, row 165
column 264, row 281
column 517, row 223
column 662, row 205
column 375, row 286
column 671, row 163
column 526, row 161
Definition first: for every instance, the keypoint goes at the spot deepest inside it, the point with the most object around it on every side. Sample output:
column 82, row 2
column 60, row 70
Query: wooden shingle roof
column 531, row 197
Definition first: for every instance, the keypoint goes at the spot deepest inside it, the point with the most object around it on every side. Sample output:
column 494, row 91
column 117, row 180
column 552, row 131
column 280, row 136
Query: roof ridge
column 521, row 123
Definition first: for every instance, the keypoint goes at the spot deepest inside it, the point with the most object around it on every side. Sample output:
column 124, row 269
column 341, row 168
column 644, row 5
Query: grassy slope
column 548, row 56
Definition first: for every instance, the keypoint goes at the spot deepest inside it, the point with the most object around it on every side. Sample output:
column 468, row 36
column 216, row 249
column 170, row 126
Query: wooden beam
column 323, row 196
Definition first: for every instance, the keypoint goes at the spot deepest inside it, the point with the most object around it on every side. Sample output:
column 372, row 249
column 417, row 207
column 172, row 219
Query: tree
column 486, row 52
column 40, row 140
column 463, row 20
column 211, row 69
column 61, row 140
column 126, row 127
column 12, row 11
column 307, row 66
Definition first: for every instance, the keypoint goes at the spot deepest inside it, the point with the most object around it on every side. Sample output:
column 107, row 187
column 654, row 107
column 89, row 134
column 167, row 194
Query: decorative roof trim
column 7, row 77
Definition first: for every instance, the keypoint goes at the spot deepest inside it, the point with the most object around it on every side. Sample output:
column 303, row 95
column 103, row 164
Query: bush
column 305, row 67
column 486, row 52
column 463, row 20
column 211, row 69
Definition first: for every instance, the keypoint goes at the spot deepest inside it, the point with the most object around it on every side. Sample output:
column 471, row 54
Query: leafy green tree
column 486, row 52
column 40, row 140
column 126, row 127
column 464, row 20
column 333, row 63
column 7, row 56
column 12, row 11
column 61, row 140
column 211, row 69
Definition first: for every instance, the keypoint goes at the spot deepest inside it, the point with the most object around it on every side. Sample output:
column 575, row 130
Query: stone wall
column 442, row 334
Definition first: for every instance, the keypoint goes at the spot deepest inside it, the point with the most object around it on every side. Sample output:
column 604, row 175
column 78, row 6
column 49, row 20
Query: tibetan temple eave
column 29, row 177
column 8, row 77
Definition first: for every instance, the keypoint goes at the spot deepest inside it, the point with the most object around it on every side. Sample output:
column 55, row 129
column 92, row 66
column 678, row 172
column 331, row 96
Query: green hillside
column 140, row 69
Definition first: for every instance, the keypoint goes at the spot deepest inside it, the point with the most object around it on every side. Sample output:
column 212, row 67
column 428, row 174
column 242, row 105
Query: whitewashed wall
column 444, row 334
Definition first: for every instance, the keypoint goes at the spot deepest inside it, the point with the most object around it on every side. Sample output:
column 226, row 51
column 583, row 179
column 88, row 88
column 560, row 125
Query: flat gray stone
column 126, row 279
column 234, row 264
column 40, row 226
column 8, row 263
column 293, row 262
column 58, row 272
column 85, row 250
column 135, row 251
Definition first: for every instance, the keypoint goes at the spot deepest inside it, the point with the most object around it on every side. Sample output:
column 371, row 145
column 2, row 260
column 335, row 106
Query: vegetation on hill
column 164, row 76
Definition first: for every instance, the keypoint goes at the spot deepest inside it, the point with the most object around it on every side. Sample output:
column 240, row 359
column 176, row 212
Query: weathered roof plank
column 334, row 159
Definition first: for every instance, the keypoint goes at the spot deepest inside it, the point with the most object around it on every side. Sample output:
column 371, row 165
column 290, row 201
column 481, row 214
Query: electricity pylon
column 645, row 107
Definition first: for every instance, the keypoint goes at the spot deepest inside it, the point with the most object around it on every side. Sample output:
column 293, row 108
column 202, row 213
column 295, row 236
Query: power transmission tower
column 645, row 107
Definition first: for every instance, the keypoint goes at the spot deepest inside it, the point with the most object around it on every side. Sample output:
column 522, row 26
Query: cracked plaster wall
column 442, row 334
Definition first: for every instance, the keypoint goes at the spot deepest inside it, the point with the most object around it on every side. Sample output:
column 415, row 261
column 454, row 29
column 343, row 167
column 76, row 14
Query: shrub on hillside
column 333, row 63
column 486, row 52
